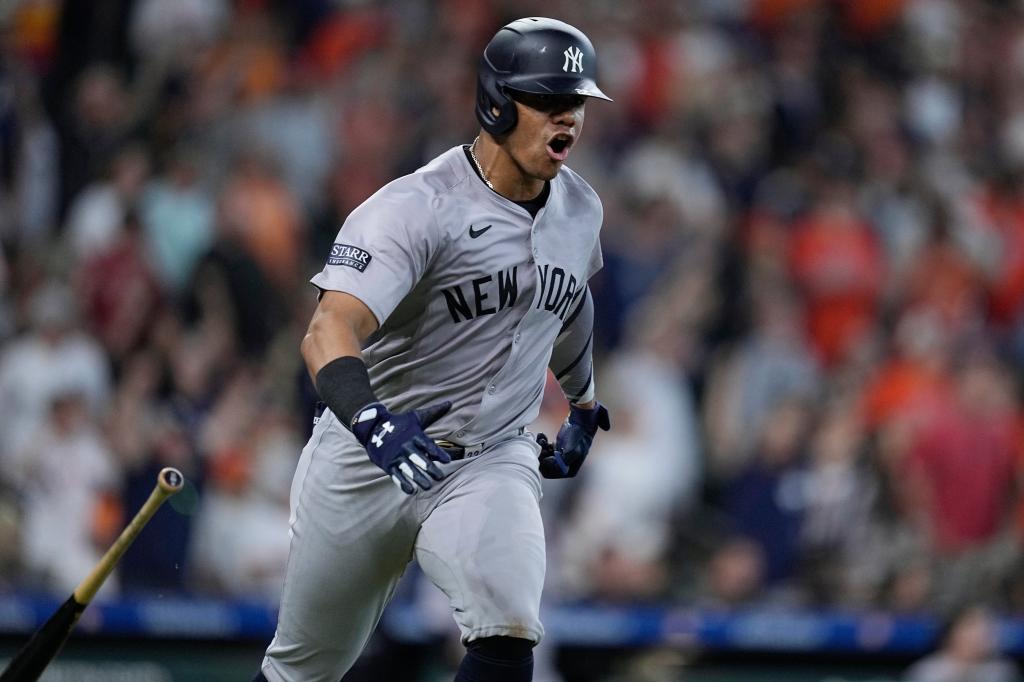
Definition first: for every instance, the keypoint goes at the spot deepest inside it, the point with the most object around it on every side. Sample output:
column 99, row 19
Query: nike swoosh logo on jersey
column 473, row 234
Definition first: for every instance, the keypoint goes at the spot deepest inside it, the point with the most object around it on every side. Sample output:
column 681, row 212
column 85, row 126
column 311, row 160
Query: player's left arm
column 573, row 366
column 572, row 357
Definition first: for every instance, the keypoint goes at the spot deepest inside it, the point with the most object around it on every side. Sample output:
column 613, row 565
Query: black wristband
column 344, row 385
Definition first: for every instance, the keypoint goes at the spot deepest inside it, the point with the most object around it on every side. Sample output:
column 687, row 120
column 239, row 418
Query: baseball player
column 444, row 300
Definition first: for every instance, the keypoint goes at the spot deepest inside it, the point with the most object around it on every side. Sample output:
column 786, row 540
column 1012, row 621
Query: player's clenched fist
column 396, row 442
column 565, row 457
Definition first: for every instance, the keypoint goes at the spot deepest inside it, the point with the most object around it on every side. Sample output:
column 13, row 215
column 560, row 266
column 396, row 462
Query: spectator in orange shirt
column 258, row 208
column 914, row 378
column 836, row 262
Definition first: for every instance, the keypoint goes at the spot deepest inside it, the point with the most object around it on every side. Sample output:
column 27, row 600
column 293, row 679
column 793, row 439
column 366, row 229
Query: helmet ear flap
column 490, row 96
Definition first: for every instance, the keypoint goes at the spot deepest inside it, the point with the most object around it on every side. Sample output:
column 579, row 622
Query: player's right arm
column 339, row 325
column 395, row 442
column 382, row 251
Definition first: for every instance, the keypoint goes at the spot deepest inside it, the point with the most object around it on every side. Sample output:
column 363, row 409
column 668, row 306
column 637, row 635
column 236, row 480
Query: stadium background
column 811, row 330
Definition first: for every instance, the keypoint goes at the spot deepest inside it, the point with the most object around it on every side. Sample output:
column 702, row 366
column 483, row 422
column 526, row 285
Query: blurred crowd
column 810, row 319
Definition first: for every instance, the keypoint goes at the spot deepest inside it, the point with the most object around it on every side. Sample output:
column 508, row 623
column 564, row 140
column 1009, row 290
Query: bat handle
column 169, row 481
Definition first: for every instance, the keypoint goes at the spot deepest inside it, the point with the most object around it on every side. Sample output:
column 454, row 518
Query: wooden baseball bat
column 28, row 664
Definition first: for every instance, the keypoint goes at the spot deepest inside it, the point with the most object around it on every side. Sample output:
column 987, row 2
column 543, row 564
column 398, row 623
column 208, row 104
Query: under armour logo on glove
column 565, row 457
column 378, row 438
column 398, row 444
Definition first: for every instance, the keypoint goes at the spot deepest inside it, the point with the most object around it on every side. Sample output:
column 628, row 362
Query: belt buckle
column 473, row 451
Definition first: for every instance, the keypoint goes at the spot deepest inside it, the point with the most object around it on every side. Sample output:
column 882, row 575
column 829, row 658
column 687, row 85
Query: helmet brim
column 556, row 85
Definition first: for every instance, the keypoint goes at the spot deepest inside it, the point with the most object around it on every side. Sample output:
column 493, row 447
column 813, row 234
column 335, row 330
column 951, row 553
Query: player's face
column 547, row 128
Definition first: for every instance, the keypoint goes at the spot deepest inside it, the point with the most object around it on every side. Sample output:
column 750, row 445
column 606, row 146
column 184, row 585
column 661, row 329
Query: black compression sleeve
column 344, row 385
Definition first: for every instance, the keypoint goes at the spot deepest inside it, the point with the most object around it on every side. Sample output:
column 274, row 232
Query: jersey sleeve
column 382, row 250
column 572, row 355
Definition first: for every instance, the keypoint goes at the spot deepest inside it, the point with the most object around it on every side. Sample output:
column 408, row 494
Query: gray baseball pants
column 477, row 535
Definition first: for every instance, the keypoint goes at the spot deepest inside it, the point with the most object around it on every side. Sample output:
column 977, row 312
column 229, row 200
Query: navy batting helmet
column 536, row 55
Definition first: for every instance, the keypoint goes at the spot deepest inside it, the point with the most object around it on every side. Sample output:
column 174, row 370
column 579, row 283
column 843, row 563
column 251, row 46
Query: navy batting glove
column 565, row 457
column 396, row 442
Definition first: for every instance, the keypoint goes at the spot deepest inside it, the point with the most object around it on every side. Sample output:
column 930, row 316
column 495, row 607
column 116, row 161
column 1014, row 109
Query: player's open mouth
column 558, row 146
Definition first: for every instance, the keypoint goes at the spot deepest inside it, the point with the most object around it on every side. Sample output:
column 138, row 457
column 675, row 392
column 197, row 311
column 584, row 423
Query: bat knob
column 171, row 480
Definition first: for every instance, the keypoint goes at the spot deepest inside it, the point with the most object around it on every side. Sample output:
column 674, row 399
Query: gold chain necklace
column 479, row 168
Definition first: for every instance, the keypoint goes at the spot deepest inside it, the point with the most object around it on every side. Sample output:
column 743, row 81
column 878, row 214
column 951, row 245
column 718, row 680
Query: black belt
column 457, row 452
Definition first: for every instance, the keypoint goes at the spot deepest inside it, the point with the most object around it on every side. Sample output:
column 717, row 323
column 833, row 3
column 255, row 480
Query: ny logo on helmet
column 573, row 60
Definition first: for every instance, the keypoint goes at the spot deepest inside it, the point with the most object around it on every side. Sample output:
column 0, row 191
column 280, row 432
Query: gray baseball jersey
column 470, row 293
